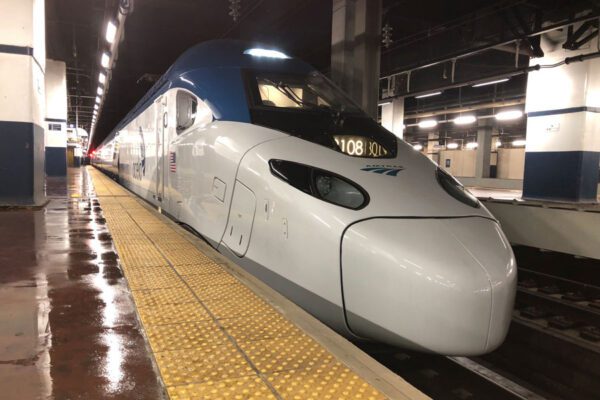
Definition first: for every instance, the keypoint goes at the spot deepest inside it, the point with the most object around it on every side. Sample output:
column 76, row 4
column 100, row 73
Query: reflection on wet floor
column 67, row 322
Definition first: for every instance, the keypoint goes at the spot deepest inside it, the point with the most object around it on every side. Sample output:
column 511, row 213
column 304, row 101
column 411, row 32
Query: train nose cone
column 440, row 285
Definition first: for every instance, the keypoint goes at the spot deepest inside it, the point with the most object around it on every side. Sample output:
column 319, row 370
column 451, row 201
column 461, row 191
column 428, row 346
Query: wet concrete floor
column 68, row 328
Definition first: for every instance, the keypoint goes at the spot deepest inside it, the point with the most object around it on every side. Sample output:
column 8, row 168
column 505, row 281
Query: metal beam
column 470, row 52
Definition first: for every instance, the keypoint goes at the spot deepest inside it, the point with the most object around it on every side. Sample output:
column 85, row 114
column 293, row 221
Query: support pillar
column 484, row 149
column 563, row 142
column 392, row 116
column 355, row 50
column 56, row 118
column 22, row 66
column 433, row 143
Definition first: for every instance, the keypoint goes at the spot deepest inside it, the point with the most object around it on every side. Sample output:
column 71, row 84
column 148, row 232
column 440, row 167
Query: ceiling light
column 418, row 147
column 100, row 91
column 95, row 106
column 102, row 78
column 464, row 119
column 491, row 82
column 98, row 99
column 428, row 123
column 498, row 144
column 111, row 32
column 427, row 95
column 471, row 145
column 509, row 114
column 452, row 146
column 519, row 142
column 257, row 52
column 105, row 60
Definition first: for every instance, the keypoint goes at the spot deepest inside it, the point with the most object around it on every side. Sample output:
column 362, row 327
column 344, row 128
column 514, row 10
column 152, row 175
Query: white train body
column 385, row 247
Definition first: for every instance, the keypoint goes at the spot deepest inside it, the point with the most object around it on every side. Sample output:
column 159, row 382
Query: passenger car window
column 187, row 106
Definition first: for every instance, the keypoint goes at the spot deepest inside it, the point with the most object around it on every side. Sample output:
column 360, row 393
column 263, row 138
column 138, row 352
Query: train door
column 161, row 124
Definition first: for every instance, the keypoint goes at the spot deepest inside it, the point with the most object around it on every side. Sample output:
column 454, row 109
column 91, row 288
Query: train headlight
column 321, row 184
column 455, row 189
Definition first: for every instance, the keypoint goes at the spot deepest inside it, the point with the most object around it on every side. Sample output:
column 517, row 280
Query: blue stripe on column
column 570, row 176
column 10, row 49
column 21, row 150
column 56, row 161
column 558, row 111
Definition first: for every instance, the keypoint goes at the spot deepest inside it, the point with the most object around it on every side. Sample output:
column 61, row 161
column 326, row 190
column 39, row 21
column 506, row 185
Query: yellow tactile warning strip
column 211, row 336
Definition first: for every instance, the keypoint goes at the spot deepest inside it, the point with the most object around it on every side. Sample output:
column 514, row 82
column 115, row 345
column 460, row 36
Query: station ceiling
column 157, row 31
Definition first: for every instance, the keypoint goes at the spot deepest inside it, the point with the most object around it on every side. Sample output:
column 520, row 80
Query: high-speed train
column 278, row 170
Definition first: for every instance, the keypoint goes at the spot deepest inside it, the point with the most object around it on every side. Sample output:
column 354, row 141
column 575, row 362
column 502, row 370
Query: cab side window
column 187, row 107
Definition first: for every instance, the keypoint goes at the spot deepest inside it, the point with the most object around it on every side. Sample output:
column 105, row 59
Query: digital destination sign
column 360, row 146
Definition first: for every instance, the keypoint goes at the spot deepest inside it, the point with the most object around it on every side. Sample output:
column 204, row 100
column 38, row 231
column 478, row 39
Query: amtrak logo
column 391, row 170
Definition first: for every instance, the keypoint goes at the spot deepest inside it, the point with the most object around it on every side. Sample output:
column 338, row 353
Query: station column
column 392, row 116
column 56, row 118
column 355, row 50
column 22, row 66
column 563, row 143
column 484, row 149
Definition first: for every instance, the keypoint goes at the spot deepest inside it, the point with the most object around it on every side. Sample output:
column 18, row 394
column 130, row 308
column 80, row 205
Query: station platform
column 103, row 297
column 570, row 228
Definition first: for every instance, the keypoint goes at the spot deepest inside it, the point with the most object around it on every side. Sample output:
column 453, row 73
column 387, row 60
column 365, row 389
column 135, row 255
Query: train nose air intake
column 443, row 285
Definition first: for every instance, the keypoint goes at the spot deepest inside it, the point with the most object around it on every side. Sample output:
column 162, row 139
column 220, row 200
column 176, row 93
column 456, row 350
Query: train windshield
column 310, row 107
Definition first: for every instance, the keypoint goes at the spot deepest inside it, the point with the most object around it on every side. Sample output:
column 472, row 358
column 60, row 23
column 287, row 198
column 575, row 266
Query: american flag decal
column 173, row 161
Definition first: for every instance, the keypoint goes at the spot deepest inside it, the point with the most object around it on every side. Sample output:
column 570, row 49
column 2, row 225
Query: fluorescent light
column 427, row 95
column 491, row 82
column 428, row 123
column 418, row 147
column 102, row 78
column 385, row 103
column 95, row 107
column 105, row 60
column 509, row 114
column 452, row 146
column 257, row 52
column 98, row 99
column 519, row 142
column 100, row 91
column 111, row 32
column 471, row 145
column 464, row 119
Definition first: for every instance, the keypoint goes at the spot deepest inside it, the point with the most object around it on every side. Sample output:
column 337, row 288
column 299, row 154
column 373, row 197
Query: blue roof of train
column 211, row 71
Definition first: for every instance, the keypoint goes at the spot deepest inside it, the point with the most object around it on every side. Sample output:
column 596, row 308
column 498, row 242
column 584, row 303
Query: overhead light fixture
column 508, row 115
column 427, row 95
column 111, row 32
column 100, row 91
column 102, row 78
column 452, row 146
column 418, row 147
column 96, row 107
column 258, row 52
column 105, row 60
column 491, row 82
column 519, row 142
column 427, row 123
column 498, row 143
column 464, row 119
column 471, row 145
column 98, row 99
